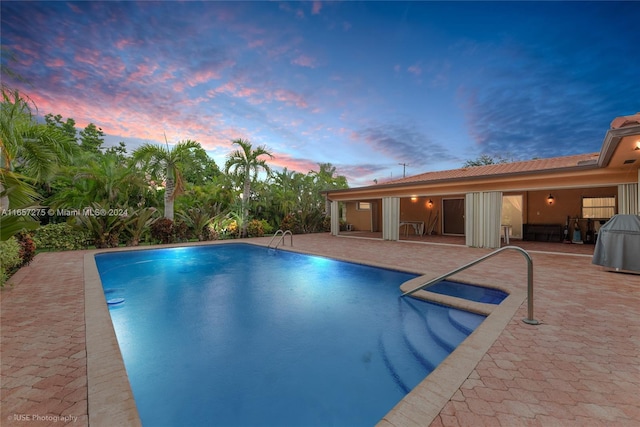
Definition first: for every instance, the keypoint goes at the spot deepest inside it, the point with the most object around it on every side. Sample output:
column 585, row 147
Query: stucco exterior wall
column 417, row 209
column 566, row 203
column 360, row 220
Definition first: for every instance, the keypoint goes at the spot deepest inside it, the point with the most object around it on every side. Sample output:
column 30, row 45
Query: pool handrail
column 529, row 319
column 282, row 234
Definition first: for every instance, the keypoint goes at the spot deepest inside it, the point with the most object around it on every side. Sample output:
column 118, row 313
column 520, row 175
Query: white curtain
column 483, row 212
column 335, row 218
column 628, row 199
column 472, row 219
column 512, row 214
column 391, row 218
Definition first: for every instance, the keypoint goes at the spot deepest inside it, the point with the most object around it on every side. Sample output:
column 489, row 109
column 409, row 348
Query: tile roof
column 537, row 165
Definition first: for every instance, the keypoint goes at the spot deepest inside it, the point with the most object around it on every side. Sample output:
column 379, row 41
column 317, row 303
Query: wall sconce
column 414, row 199
column 550, row 200
column 430, row 204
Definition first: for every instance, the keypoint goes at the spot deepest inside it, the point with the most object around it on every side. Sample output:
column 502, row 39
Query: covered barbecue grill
column 618, row 244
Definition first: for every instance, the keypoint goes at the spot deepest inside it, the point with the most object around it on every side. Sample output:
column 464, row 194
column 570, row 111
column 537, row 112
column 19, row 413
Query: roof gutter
column 611, row 141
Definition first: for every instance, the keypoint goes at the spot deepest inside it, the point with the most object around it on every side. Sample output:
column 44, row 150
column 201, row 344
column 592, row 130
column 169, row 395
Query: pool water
column 241, row 335
column 470, row 292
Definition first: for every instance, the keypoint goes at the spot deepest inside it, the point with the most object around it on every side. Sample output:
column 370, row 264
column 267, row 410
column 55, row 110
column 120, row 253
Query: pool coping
column 110, row 397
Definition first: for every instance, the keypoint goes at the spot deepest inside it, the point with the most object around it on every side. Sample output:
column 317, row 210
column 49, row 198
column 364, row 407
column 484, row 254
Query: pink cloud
column 144, row 71
column 289, row 97
column 107, row 66
column 123, row 43
column 316, row 7
column 201, row 77
column 304, row 61
column 256, row 43
column 55, row 63
column 283, row 160
column 80, row 75
column 233, row 89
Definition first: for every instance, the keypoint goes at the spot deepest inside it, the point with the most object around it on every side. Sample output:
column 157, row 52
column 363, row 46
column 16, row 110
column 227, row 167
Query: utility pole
column 404, row 169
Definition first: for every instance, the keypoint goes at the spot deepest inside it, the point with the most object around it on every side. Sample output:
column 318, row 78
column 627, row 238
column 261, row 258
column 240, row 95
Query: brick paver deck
column 580, row 366
column 42, row 344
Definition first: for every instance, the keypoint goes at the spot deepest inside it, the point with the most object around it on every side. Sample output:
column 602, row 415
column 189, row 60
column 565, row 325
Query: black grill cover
column 618, row 244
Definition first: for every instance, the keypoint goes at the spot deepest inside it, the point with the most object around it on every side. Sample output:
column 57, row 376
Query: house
column 543, row 199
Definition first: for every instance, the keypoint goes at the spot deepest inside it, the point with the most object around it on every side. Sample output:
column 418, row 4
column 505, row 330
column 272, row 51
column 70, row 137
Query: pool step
column 418, row 336
column 465, row 321
column 410, row 355
column 444, row 331
column 401, row 362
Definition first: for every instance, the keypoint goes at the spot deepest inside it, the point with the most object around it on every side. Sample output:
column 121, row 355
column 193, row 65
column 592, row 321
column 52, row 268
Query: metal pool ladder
column 281, row 240
column 529, row 320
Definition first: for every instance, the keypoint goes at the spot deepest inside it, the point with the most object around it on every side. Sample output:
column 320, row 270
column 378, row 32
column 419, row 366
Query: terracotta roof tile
column 537, row 165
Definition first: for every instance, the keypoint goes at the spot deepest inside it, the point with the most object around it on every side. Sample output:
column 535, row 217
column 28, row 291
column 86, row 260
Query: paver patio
column 580, row 366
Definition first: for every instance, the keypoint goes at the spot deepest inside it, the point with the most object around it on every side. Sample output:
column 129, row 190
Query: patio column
column 483, row 213
column 391, row 218
column 335, row 218
column 628, row 199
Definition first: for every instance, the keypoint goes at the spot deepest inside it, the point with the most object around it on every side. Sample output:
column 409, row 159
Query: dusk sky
column 366, row 86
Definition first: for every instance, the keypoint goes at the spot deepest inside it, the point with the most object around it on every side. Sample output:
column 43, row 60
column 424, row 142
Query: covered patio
column 555, row 199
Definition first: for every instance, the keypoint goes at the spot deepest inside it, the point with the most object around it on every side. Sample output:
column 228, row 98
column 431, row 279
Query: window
column 598, row 207
column 364, row 206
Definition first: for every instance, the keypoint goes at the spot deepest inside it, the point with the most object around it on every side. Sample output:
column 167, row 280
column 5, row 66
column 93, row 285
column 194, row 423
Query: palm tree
column 327, row 179
column 166, row 164
column 103, row 178
column 36, row 149
column 284, row 191
column 245, row 162
column 29, row 153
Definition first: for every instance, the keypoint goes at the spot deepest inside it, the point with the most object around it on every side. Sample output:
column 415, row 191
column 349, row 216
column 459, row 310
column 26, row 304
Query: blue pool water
column 470, row 292
column 240, row 335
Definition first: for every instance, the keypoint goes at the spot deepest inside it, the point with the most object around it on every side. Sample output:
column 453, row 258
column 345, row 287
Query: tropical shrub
column 181, row 231
column 266, row 227
column 292, row 223
column 310, row 221
column 9, row 258
column 162, row 230
column 60, row 237
column 231, row 229
column 255, row 228
column 138, row 224
column 27, row 248
column 197, row 220
column 103, row 227
column 326, row 223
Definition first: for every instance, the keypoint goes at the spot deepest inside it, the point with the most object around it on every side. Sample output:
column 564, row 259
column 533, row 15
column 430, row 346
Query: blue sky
column 366, row 86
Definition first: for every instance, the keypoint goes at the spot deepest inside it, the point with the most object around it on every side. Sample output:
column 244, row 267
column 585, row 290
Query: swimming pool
column 240, row 335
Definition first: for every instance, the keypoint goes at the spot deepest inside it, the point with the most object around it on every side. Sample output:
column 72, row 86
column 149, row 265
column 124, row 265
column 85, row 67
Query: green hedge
column 60, row 237
column 9, row 258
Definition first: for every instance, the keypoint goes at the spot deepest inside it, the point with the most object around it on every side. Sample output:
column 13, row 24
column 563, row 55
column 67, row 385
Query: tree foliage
column 164, row 164
column 245, row 163
column 484, row 160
